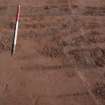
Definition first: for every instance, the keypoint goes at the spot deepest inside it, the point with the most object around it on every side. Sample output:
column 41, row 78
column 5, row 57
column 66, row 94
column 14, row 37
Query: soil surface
column 60, row 53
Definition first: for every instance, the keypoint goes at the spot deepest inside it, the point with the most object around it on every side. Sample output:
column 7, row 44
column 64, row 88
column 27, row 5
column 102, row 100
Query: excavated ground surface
column 60, row 54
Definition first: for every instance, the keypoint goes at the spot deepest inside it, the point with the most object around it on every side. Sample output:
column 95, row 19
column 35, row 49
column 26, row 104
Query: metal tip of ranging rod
column 13, row 50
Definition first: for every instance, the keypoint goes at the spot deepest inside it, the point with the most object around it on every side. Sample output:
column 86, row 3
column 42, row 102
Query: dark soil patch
column 99, row 90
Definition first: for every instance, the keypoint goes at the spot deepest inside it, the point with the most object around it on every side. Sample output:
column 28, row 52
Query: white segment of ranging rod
column 16, row 31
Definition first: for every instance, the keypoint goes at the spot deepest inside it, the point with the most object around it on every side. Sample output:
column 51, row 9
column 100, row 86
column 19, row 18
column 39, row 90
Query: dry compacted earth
column 60, row 53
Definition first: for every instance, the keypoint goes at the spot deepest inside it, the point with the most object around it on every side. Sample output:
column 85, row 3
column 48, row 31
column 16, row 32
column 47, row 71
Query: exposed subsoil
column 60, row 53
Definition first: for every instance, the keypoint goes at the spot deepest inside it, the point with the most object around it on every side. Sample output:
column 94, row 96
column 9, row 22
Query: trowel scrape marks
column 51, row 52
column 86, row 3
column 48, row 34
column 49, row 9
column 38, row 24
column 95, row 11
column 88, row 58
column 90, row 38
column 89, row 30
column 88, row 8
column 43, row 22
column 52, row 10
column 86, row 38
column 33, row 2
column 41, row 28
column 89, row 11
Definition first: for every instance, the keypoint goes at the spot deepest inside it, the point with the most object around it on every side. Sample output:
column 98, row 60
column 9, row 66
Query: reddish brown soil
column 60, row 53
